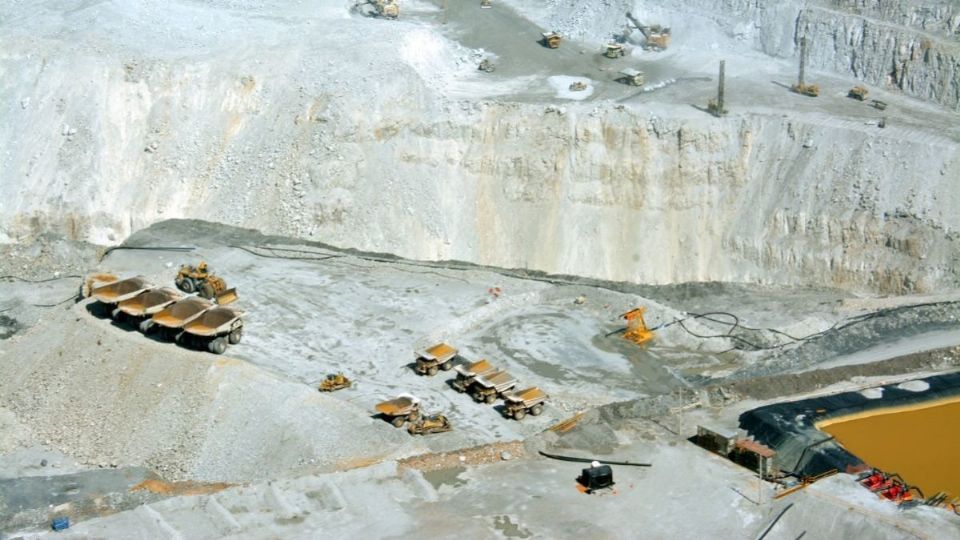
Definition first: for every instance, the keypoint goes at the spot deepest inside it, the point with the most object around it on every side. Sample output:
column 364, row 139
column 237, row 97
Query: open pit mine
column 479, row 269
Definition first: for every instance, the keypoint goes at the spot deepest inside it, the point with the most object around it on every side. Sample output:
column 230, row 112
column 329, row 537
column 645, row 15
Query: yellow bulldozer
column 427, row 424
column 198, row 279
column 334, row 382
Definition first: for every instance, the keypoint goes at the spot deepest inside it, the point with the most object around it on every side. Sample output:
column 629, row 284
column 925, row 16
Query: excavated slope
column 275, row 133
column 109, row 396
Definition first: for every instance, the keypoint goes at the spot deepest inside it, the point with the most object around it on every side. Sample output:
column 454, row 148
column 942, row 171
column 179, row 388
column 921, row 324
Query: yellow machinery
column 811, row 90
column 858, row 93
column 633, row 77
column 614, row 50
column 426, row 424
column 802, row 87
column 713, row 107
column 200, row 280
column 388, row 9
column 486, row 4
column 518, row 404
column 657, row 37
column 92, row 281
column 439, row 356
column 334, row 382
column 578, row 86
column 637, row 330
column 403, row 408
column 551, row 39
column 467, row 373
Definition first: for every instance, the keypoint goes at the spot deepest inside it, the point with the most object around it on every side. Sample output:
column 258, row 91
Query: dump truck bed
column 498, row 380
column 214, row 321
column 480, row 367
column 527, row 396
column 440, row 352
column 150, row 302
column 180, row 313
column 118, row 291
column 397, row 406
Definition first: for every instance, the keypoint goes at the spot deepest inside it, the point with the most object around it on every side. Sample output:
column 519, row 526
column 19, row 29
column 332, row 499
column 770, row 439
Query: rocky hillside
column 282, row 124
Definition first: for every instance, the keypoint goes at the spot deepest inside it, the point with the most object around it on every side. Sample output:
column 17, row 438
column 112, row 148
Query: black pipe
column 774, row 522
column 591, row 460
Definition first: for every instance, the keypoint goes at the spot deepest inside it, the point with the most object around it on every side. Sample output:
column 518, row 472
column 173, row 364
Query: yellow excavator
column 637, row 330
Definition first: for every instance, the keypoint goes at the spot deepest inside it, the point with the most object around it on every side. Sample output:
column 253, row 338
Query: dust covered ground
column 87, row 394
column 370, row 192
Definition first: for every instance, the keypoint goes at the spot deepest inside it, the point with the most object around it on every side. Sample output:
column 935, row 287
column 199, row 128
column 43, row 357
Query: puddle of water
column 449, row 477
column 918, row 442
column 510, row 529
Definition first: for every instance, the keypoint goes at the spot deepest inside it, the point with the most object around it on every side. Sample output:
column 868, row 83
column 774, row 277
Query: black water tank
column 594, row 478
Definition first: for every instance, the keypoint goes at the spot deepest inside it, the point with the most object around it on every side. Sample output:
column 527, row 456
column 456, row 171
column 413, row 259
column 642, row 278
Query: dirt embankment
column 794, row 383
column 109, row 396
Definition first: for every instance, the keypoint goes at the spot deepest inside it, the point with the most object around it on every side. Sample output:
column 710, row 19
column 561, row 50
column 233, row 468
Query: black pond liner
column 803, row 450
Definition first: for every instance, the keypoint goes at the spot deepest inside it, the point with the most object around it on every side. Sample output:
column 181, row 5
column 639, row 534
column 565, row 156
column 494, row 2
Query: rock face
column 105, row 139
column 921, row 63
column 904, row 45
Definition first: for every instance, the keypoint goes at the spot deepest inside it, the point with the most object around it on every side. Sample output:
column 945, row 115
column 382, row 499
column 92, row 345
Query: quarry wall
column 103, row 142
column 905, row 46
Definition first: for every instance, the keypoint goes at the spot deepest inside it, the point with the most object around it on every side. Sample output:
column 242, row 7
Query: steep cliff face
column 889, row 55
column 385, row 155
column 907, row 46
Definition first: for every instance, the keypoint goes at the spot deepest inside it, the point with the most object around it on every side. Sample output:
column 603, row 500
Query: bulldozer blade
column 227, row 296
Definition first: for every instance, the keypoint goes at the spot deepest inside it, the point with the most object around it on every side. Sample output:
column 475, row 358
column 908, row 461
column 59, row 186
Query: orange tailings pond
column 920, row 442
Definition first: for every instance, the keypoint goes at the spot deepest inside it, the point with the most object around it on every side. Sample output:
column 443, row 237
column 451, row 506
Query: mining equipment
column 518, row 404
column 858, row 92
column 400, row 409
column 637, row 330
column 466, row 374
column 488, row 388
column 715, row 105
column 551, row 40
column 334, row 382
column 427, row 424
column 656, row 37
column 198, row 279
column 614, row 50
column 802, row 87
column 633, row 77
column 439, row 356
